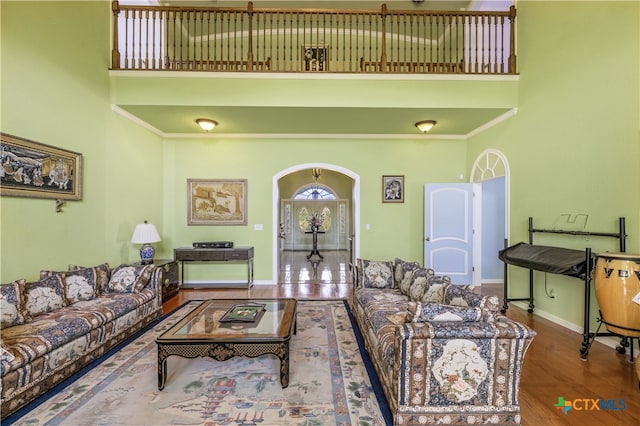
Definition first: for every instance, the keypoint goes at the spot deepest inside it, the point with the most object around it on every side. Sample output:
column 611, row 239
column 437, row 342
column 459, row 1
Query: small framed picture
column 393, row 189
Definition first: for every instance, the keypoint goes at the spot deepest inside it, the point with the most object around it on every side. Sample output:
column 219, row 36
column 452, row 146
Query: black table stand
column 315, row 230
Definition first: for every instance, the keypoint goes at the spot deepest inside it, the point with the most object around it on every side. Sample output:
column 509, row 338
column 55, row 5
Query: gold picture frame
column 392, row 189
column 216, row 201
column 33, row 169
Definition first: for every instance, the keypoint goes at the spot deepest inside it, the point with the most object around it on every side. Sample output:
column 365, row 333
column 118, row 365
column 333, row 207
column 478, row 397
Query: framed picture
column 393, row 189
column 315, row 58
column 33, row 169
column 216, row 201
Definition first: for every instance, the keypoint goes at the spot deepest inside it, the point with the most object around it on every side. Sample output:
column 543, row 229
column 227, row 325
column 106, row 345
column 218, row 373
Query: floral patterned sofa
column 54, row 326
column 443, row 353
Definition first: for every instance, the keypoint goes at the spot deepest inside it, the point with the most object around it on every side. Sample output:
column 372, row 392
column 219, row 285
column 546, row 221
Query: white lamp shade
column 145, row 233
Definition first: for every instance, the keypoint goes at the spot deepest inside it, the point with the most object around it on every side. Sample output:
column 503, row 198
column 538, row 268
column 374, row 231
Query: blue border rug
column 332, row 381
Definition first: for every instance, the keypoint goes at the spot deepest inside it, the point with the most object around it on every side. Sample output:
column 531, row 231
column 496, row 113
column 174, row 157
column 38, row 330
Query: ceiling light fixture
column 425, row 125
column 206, row 124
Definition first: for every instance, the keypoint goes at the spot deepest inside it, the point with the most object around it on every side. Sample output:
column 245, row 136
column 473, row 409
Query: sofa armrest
column 453, row 364
column 155, row 283
column 500, row 328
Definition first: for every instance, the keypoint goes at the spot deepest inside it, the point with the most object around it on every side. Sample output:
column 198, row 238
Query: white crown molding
column 341, row 136
column 489, row 124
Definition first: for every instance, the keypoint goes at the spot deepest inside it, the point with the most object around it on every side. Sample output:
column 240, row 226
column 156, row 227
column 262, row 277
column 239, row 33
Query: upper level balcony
column 251, row 39
column 274, row 72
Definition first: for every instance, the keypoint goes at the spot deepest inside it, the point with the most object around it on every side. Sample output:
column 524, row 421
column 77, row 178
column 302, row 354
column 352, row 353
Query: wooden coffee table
column 201, row 334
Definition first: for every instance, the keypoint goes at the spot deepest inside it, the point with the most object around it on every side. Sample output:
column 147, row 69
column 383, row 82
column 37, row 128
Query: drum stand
column 625, row 341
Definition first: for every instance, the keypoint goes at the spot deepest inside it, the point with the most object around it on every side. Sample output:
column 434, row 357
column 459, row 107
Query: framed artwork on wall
column 216, row 201
column 33, row 169
column 393, row 189
column 315, row 58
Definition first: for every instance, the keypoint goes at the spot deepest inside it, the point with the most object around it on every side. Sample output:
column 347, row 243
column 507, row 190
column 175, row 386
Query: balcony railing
column 313, row 40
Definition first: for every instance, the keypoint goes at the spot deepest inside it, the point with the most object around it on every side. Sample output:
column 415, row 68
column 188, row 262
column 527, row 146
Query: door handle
column 428, row 239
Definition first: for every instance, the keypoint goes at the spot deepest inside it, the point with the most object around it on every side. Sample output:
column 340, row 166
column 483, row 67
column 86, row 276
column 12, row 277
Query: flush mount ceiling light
column 206, row 124
column 425, row 125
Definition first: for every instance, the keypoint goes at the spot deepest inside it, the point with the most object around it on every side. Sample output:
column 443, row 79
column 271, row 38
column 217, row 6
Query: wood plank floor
column 553, row 367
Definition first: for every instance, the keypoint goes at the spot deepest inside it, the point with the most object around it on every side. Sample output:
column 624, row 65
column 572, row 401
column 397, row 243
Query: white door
column 448, row 230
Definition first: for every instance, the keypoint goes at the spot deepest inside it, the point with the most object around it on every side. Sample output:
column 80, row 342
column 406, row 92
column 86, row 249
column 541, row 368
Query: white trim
column 306, row 75
column 138, row 121
column 280, row 136
column 610, row 341
column 490, row 124
column 275, row 206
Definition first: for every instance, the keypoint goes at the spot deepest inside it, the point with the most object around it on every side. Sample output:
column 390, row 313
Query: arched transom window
column 315, row 191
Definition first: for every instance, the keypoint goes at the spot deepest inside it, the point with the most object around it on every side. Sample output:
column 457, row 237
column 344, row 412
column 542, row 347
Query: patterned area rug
column 329, row 383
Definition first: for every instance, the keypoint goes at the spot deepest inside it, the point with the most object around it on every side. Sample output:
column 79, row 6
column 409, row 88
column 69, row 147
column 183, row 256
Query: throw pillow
column 419, row 283
column 376, row 274
column 436, row 286
column 102, row 275
column 461, row 295
column 82, row 283
column 46, row 295
column 401, row 268
column 11, row 304
column 431, row 312
column 129, row 278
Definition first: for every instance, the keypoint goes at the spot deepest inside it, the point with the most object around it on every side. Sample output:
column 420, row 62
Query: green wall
column 574, row 145
column 55, row 90
column 399, row 226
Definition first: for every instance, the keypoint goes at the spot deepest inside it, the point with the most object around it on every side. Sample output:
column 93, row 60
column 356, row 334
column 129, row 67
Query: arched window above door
column 315, row 191
column 490, row 164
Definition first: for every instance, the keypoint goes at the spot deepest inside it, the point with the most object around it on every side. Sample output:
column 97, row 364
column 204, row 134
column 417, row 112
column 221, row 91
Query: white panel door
column 448, row 230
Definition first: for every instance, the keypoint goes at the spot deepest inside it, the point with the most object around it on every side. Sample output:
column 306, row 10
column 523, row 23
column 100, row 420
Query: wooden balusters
column 312, row 40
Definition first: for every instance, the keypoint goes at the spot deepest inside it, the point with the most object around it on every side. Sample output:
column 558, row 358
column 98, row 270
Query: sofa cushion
column 462, row 295
column 401, row 268
column 419, row 283
column 129, row 278
column 435, row 290
column 82, row 283
column 427, row 312
column 11, row 304
column 375, row 274
column 43, row 296
column 101, row 275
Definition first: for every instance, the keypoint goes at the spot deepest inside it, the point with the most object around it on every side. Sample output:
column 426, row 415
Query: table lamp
column 145, row 234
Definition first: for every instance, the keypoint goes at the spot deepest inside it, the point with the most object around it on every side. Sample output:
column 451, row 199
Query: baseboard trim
column 611, row 341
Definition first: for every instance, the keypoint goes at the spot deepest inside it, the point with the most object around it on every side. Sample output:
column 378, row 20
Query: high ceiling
column 339, row 106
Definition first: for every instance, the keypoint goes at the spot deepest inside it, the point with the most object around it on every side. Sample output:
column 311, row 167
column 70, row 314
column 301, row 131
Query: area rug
column 329, row 383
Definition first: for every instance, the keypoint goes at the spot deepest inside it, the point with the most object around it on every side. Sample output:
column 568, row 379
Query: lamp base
column 146, row 254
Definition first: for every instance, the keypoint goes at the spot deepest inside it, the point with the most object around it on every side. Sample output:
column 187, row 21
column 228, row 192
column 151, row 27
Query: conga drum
column 617, row 282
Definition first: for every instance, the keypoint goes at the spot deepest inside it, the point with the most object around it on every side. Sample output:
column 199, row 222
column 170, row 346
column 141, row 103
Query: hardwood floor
column 553, row 367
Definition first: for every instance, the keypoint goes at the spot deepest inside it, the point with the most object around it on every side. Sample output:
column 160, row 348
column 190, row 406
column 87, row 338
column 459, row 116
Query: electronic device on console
column 214, row 244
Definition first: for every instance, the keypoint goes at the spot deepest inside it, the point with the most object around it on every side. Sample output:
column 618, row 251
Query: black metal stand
column 588, row 337
column 315, row 231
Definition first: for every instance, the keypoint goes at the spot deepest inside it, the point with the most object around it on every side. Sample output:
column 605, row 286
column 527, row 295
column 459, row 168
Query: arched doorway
column 491, row 171
column 353, row 202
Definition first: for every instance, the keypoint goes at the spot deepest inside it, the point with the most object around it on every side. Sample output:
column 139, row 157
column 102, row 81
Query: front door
column 448, row 230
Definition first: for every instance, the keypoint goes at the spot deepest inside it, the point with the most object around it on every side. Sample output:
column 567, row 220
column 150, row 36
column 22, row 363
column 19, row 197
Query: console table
column 236, row 254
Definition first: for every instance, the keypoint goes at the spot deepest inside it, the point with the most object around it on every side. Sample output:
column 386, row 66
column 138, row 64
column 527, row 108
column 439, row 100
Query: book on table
column 245, row 312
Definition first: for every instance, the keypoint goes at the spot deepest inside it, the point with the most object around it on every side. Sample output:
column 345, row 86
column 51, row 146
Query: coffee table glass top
column 204, row 322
